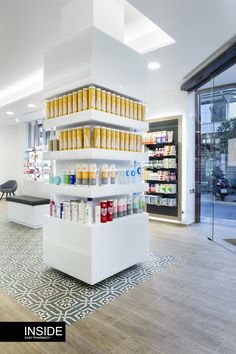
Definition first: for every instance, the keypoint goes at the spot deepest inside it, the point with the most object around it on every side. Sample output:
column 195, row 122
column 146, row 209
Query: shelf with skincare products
column 95, row 154
column 163, row 169
column 92, row 116
column 97, row 225
column 97, row 191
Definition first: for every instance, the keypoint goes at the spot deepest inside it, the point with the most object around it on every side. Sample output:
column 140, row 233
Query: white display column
column 93, row 252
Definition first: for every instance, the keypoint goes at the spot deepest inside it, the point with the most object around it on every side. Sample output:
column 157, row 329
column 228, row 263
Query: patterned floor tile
column 55, row 296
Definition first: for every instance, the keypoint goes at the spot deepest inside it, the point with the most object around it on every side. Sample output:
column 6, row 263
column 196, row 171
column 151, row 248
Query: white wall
column 166, row 103
column 12, row 153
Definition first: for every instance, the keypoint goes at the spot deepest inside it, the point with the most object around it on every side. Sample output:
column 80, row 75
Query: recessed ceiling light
column 9, row 113
column 153, row 66
column 17, row 120
column 31, row 105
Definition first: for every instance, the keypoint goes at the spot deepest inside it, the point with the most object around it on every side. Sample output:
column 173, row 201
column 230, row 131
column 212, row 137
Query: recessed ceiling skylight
column 25, row 87
column 141, row 34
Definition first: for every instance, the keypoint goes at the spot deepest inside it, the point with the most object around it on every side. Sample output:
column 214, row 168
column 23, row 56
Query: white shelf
column 96, row 191
column 95, row 252
column 96, row 154
column 94, row 116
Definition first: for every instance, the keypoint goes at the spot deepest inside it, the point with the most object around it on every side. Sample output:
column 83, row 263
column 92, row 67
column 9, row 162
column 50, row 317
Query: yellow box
column 56, row 107
column 108, row 133
column 131, row 142
column 126, row 141
column 74, row 139
column 139, row 111
column 61, row 140
column 70, row 103
column 70, row 140
column 113, row 103
column 135, row 110
column 52, row 108
column 134, row 142
column 117, row 139
column 85, row 98
column 60, row 106
column 122, row 106
column 79, row 138
column 98, row 99
column 65, row 105
column 118, row 105
column 48, row 105
column 65, row 140
column 113, row 139
column 143, row 112
column 139, row 143
column 131, row 109
column 108, row 106
column 103, row 138
column 104, row 101
column 87, row 137
column 75, row 102
column 92, row 97
column 122, row 140
column 80, row 100
column 127, row 104
column 97, row 137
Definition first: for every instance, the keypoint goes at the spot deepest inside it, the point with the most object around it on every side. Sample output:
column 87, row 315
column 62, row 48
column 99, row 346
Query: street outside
column 222, row 209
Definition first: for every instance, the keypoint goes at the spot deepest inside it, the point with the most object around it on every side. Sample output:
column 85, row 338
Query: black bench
column 28, row 200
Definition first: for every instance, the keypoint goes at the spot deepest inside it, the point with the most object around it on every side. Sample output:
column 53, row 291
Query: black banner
column 32, row 331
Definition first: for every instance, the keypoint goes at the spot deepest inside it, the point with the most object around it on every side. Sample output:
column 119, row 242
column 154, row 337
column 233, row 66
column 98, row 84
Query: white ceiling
column 29, row 27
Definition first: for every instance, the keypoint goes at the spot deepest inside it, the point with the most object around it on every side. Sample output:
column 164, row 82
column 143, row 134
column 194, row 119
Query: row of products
column 158, row 137
column 162, row 188
column 95, row 98
column 167, row 150
column 91, row 175
column 98, row 138
column 167, row 163
column 160, row 201
column 165, row 176
column 88, row 212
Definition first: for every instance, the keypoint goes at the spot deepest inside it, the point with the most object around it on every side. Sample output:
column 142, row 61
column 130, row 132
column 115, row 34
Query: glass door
column 217, row 129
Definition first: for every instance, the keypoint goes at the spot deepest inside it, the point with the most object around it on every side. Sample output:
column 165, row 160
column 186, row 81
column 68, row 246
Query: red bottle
column 110, row 210
column 103, row 205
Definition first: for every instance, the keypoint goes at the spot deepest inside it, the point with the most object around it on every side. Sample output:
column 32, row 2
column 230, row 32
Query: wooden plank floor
column 190, row 308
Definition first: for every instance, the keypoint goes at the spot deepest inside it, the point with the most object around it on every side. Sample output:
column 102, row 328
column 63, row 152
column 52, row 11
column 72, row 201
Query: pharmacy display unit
column 162, row 171
column 97, row 224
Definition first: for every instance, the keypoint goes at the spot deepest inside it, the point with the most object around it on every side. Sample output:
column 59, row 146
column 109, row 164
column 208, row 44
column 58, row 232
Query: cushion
column 28, row 200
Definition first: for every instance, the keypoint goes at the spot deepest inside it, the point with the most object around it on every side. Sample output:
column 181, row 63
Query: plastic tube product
column 89, row 211
column 81, row 218
column 97, row 214
column 109, row 210
column 103, row 211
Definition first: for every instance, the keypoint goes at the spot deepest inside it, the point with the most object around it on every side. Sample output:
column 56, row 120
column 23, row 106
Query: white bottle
column 81, row 218
column 132, row 175
column 89, row 211
column 139, row 173
column 97, row 214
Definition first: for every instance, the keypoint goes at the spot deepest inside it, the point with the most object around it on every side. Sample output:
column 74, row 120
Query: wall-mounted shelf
column 97, row 117
column 96, row 154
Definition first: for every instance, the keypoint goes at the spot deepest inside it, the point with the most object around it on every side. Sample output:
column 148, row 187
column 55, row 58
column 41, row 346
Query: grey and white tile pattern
column 52, row 295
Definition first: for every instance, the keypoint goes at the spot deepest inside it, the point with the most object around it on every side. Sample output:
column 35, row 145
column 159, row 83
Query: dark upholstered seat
column 8, row 187
column 28, row 200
